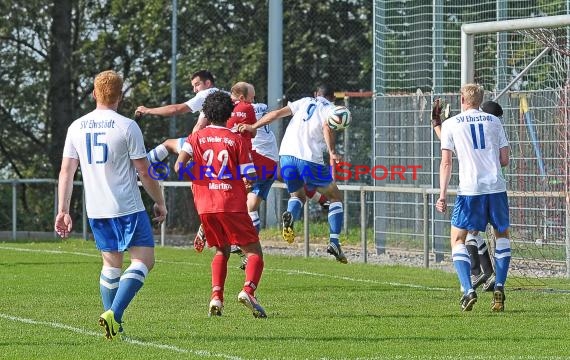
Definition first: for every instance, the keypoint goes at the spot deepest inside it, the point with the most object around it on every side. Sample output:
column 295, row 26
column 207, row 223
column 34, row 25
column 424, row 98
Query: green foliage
column 316, row 308
column 322, row 41
column 327, row 41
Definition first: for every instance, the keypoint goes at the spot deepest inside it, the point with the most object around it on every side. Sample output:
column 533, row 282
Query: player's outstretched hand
column 245, row 127
column 160, row 213
column 138, row 116
column 441, row 205
column 440, row 110
column 248, row 185
column 63, row 224
column 140, row 112
column 335, row 159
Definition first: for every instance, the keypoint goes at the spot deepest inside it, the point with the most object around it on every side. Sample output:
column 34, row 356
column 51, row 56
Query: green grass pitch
column 317, row 309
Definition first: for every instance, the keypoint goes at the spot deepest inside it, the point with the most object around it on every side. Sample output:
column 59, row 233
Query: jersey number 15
column 92, row 143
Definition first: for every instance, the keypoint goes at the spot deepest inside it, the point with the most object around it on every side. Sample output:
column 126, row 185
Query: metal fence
column 411, row 226
column 537, row 175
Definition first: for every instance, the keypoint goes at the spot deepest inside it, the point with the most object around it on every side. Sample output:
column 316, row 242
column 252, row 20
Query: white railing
column 362, row 189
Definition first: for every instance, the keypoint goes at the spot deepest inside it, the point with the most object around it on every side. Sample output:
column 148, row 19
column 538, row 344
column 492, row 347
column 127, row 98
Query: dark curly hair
column 218, row 108
column 493, row 108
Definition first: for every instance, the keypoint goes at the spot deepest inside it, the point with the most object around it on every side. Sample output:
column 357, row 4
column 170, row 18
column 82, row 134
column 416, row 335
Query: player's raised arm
column 266, row 119
column 167, row 110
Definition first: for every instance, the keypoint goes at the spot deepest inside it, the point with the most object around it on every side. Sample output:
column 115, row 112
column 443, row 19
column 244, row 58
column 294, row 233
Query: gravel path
column 530, row 270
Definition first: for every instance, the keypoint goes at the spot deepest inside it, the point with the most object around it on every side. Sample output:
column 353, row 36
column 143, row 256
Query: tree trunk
column 59, row 98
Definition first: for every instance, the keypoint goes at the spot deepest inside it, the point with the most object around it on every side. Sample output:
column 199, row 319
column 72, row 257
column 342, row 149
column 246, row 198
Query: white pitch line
column 287, row 271
column 202, row 353
column 368, row 281
column 45, row 251
column 61, row 252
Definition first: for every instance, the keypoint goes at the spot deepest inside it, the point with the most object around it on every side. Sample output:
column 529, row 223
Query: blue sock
column 131, row 282
column 502, row 261
column 336, row 218
column 462, row 264
column 108, row 284
column 254, row 215
column 294, row 206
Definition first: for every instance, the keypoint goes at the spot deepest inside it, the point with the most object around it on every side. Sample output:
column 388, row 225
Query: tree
column 59, row 93
column 51, row 50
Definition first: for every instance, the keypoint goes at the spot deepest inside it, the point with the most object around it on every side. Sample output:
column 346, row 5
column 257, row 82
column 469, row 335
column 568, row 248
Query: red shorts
column 265, row 168
column 224, row 229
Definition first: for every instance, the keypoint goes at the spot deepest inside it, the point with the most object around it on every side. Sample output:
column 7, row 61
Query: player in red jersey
column 243, row 94
column 220, row 159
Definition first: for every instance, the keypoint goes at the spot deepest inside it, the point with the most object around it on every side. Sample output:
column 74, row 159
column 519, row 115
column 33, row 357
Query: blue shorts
column 474, row 212
column 261, row 187
column 296, row 173
column 123, row 232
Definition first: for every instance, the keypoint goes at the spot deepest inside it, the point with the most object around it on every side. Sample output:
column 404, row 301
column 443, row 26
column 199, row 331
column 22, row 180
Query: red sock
column 219, row 272
column 323, row 199
column 310, row 193
column 253, row 271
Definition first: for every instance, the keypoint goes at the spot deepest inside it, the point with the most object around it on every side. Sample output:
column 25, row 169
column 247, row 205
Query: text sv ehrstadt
column 342, row 171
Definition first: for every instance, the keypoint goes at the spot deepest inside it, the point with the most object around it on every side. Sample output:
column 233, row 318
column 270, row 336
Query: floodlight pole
column 174, row 25
column 275, row 93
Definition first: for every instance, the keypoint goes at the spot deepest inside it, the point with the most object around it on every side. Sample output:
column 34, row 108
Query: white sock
column 157, row 154
column 317, row 197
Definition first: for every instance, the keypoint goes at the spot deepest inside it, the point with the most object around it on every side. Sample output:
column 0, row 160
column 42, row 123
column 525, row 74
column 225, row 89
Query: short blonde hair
column 240, row 88
column 108, row 87
column 473, row 94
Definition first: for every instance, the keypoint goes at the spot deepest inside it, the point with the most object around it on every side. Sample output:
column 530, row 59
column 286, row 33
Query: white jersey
column 264, row 141
column 105, row 142
column 196, row 103
column 304, row 138
column 476, row 138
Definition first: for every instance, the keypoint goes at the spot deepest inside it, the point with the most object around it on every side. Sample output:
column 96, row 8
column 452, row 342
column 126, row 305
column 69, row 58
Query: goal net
column 525, row 64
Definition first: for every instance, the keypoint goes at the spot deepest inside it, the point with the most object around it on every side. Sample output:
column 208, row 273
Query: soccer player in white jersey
column 203, row 84
column 264, row 145
column 301, row 159
column 482, row 272
column 110, row 150
column 479, row 142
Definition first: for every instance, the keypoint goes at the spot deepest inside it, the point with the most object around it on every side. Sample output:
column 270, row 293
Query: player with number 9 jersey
column 304, row 137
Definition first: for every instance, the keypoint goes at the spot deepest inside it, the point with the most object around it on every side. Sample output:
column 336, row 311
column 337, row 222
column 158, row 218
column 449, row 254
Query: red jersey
column 244, row 113
column 220, row 159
